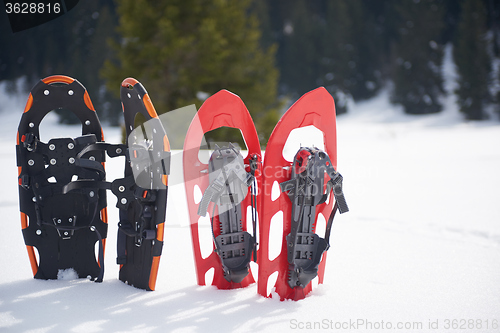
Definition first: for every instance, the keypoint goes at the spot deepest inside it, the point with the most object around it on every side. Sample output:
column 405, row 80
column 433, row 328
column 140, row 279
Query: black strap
column 253, row 202
column 329, row 224
column 101, row 256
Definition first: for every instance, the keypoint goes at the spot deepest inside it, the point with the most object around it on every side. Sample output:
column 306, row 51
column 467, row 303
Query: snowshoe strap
column 254, row 166
column 85, row 161
column 232, row 170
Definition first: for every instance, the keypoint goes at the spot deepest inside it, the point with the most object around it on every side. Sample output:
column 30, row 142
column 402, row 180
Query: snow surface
column 421, row 244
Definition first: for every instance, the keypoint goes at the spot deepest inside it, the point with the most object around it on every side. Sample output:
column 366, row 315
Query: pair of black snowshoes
column 62, row 186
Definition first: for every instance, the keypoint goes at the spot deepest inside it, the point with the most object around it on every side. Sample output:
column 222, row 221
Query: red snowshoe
column 227, row 188
column 307, row 185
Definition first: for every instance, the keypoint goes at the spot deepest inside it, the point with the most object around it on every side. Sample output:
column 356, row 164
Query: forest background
column 267, row 52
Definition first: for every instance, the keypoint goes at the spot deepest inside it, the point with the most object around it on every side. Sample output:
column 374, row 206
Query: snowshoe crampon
column 305, row 189
column 62, row 227
column 222, row 192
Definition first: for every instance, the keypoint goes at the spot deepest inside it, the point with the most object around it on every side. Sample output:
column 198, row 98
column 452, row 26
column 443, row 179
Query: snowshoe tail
column 307, row 185
column 63, row 227
column 228, row 184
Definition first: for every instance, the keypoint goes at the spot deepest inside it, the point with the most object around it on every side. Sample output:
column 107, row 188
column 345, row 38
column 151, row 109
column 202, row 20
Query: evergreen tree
column 73, row 44
column 350, row 46
column 472, row 60
column 418, row 56
column 349, row 52
column 182, row 47
column 300, row 47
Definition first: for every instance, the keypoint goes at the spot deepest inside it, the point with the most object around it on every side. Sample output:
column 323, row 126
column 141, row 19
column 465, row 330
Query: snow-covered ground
column 418, row 252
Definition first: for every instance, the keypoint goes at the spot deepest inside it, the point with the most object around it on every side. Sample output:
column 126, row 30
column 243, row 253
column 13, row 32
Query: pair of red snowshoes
column 232, row 192
column 62, row 186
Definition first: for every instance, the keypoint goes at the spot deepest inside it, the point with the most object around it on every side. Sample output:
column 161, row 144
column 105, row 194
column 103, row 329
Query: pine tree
column 73, row 44
column 418, row 56
column 182, row 47
column 339, row 58
column 472, row 60
column 350, row 44
column 300, row 47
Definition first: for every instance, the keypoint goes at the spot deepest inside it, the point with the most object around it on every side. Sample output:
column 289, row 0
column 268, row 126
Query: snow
column 420, row 246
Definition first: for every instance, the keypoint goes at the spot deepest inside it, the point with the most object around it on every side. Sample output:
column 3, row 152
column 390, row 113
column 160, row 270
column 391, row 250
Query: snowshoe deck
column 307, row 184
column 62, row 227
column 228, row 183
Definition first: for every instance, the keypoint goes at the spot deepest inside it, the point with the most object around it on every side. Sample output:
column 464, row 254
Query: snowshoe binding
column 229, row 185
column 305, row 190
column 63, row 227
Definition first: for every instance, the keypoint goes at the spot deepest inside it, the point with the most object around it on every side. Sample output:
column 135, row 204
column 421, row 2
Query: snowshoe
column 307, row 185
column 228, row 184
column 142, row 193
column 63, row 227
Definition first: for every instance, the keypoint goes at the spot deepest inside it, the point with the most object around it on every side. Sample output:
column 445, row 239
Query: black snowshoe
column 63, row 227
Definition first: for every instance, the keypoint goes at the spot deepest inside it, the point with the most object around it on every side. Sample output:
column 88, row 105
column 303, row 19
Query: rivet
column 128, row 95
column 53, row 161
column 87, row 122
column 52, row 146
column 92, row 228
column 33, row 199
column 118, row 150
column 70, row 219
column 65, row 233
column 59, row 221
column 121, row 188
column 91, row 194
column 92, row 158
column 46, row 92
column 71, row 160
column 31, row 125
column 70, row 92
column 123, row 201
column 31, row 162
column 71, row 145
column 39, row 232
